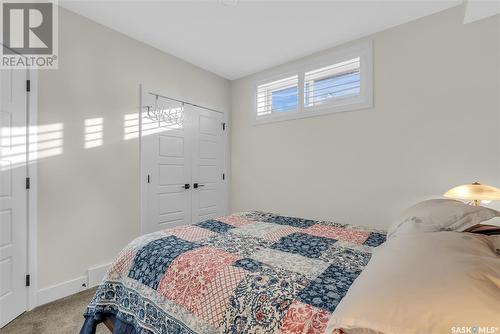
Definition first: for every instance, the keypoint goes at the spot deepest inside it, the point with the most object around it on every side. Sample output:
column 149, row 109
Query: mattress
column 252, row 272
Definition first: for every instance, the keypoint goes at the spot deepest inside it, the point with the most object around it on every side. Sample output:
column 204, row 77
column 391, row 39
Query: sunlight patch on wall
column 130, row 126
column 93, row 132
column 44, row 141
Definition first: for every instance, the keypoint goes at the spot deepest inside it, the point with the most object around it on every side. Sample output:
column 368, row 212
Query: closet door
column 13, row 194
column 207, row 165
column 166, row 150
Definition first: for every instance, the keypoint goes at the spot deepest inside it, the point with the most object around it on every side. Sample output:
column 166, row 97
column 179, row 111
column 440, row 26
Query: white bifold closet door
column 182, row 166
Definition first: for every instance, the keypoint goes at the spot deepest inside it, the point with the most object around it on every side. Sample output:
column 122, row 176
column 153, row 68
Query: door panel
column 166, row 159
column 208, row 149
column 170, row 175
column 209, row 124
column 209, row 174
column 172, row 203
column 208, row 164
column 13, row 197
column 171, row 146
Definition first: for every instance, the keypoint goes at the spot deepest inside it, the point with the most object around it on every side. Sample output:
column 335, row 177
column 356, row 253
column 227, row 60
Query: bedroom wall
column 88, row 200
column 434, row 124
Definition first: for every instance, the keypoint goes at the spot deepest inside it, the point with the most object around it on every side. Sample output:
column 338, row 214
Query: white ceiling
column 236, row 38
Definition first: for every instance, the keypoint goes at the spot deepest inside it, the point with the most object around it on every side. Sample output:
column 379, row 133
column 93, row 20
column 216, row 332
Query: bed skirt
column 119, row 326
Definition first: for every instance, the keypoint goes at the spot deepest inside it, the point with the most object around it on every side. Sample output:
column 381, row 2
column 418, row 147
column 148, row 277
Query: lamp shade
column 474, row 192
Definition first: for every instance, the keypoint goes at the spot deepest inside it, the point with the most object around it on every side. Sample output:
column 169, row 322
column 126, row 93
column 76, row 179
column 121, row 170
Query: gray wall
column 89, row 198
column 434, row 125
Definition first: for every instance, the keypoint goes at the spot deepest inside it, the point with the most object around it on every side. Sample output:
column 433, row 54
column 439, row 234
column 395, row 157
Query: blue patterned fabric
column 248, row 264
column 350, row 259
column 153, row 259
column 290, row 221
column 375, row 239
column 233, row 243
column 329, row 288
column 255, row 273
column 215, row 226
column 304, row 244
column 259, row 216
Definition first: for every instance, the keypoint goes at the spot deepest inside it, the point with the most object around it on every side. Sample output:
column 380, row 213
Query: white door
column 13, row 195
column 166, row 166
column 182, row 162
column 208, row 165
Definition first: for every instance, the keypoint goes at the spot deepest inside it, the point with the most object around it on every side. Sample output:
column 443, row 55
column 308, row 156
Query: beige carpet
column 64, row 316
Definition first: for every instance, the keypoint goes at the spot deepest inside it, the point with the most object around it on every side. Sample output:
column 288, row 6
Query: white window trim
column 364, row 50
column 268, row 96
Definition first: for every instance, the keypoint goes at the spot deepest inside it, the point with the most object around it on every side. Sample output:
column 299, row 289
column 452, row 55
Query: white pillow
column 440, row 215
column 493, row 221
column 426, row 283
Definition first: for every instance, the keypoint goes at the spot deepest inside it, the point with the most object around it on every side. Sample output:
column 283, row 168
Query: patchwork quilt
column 252, row 272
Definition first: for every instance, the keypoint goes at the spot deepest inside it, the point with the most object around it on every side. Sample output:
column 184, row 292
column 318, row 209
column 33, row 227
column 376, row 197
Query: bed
column 253, row 272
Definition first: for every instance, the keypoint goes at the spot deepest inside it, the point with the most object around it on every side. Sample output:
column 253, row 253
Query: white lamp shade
column 474, row 192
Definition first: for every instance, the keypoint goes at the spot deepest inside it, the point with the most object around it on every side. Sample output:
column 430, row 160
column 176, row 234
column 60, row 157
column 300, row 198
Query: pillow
column 493, row 221
column 440, row 215
column 425, row 283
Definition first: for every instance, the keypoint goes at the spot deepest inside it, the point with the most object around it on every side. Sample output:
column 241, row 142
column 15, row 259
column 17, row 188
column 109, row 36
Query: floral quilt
column 252, row 272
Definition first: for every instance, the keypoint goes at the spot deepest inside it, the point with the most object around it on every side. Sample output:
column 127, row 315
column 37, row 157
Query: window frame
column 338, row 99
column 269, row 92
column 363, row 50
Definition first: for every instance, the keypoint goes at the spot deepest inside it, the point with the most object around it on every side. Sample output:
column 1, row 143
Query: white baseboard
column 61, row 290
column 96, row 274
column 68, row 288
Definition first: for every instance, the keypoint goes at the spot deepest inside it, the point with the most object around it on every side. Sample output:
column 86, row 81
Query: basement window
column 278, row 96
column 334, row 82
column 323, row 85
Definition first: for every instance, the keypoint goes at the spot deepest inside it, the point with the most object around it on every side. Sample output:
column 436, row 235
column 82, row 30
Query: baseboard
column 68, row 288
column 61, row 290
column 96, row 274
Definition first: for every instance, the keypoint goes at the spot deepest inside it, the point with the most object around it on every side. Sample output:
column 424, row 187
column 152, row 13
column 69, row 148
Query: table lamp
column 474, row 192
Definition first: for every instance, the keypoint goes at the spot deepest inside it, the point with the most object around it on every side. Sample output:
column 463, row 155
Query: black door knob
column 196, row 185
column 186, row 186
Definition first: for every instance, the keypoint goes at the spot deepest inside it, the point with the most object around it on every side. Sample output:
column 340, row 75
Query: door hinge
column 223, row 176
column 28, row 183
column 149, row 178
column 28, row 85
column 223, row 126
column 28, row 280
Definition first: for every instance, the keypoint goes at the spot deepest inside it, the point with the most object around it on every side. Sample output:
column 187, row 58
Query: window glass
column 278, row 96
column 335, row 81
